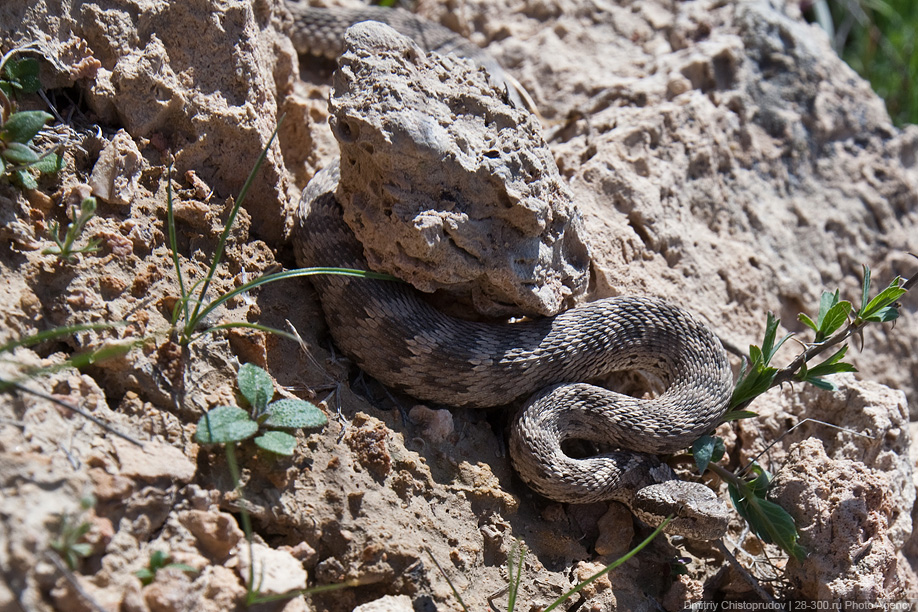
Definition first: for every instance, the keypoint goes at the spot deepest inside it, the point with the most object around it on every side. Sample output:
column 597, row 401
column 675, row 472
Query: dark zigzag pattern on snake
column 394, row 335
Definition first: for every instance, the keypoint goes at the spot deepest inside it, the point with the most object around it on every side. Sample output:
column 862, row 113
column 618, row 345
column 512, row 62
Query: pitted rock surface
column 476, row 206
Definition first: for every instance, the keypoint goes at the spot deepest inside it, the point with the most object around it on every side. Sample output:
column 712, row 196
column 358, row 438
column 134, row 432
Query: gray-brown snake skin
column 396, row 337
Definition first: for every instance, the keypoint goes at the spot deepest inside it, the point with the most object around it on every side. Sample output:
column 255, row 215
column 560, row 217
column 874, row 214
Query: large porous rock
column 447, row 184
column 846, row 514
column 850, row 490
column 203, row 80
column 725, row 159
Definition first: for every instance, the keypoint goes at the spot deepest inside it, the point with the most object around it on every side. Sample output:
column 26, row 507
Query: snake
column 390, row 331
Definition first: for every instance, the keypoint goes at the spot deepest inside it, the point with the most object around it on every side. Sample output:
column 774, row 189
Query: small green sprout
column 64, row 248
column 160, row 560
column 71, row 531
column 191, row 310
column 18, row 154
column 20, row 76
column 230, row 424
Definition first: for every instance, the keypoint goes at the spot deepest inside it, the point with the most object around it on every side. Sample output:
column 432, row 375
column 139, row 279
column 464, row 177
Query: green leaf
column 19, row 154
column 146, row 575
column 517, row 549
column 827, row 369
column 764, row 354
column 865, row 290
column 830, row 365
column 883, row 315
column 21, row 127
column 297, row 273
column 225, row 424
column 103, row 353
column 707, row 449
column 832, row 315
column 83, row 549
column 158, row 559
column 836, row 316
column 807, row 321
column 183, row 567
column 755, row 355
column 294, row 413
column 22, row 74
column 278, row 442
column 880, row 308
column 24, row 179
column 50, row 164
column 57, row 332
column 752, row 383
column 767, row 519
column 759, row 485
column 826, row 301
column 769, row 347
column 822, row 383
column 756, row 377
column 256, row 386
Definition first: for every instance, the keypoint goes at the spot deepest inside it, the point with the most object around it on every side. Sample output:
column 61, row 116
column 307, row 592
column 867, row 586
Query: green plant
column 230, row 424
column 19, row 76
column 70, row 531
column 191, row 310
column 18, row 154
column 879, row 40
column 836, row 321
column 64, row 248
column 515, row 572
column 160, row 560
column 19, row 383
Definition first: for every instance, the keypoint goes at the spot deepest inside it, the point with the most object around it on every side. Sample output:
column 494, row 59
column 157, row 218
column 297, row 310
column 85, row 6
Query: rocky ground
column 722, row 157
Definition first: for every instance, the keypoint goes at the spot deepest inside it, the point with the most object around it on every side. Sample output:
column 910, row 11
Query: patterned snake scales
column 396, row 337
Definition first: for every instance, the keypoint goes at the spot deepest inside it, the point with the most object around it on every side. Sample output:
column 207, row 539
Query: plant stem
column 221, row 244
column 725, row 474
column 787, row 373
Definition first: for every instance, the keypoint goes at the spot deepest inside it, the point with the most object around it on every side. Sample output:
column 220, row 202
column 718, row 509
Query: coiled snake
column 395, row 336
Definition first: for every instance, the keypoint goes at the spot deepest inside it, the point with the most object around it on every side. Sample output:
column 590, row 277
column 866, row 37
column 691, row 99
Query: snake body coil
column 396, row 337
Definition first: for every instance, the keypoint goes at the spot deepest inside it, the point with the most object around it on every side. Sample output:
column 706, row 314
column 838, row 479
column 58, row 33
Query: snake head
column 697, row 512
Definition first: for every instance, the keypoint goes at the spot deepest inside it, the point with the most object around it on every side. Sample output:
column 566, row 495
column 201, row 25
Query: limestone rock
column 850, row 490
column 844, row 513
column 388, row 603
column 277, row 571
column 116, row 173
column 447, row 184
column 217, row 532
column 154, row 460
column 176, row 74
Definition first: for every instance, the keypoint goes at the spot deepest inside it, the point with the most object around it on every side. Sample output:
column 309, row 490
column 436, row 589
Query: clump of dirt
column 722, row 157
